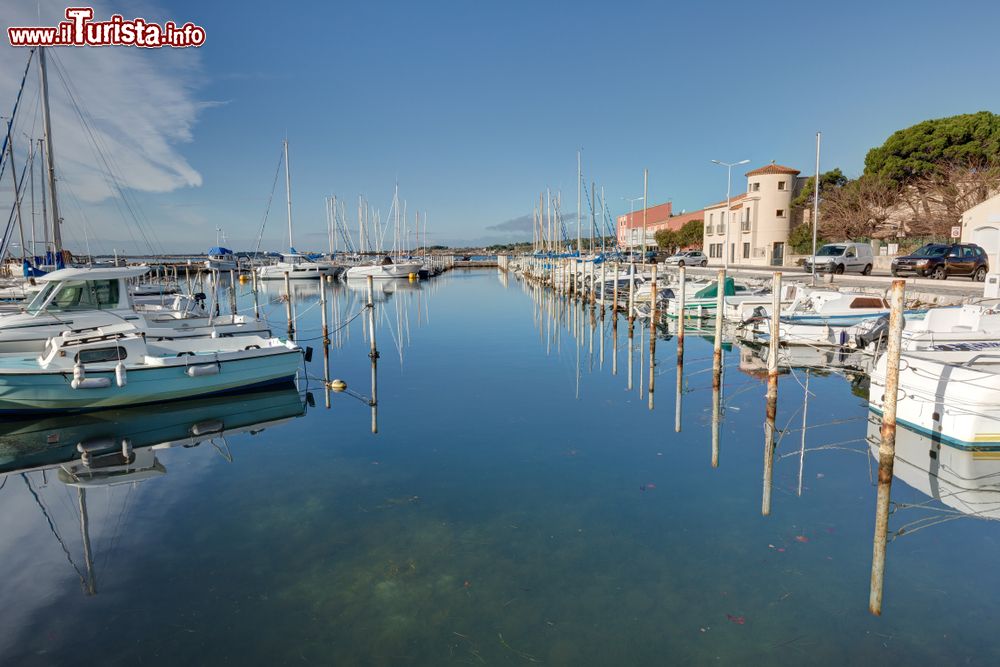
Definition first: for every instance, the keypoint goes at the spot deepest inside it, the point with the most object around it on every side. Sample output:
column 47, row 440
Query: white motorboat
column 818, row 317
column 949, row 328
column 221, row 259
column 118, row 366
column 79, row 299
column 296, row 265
column 385, row 269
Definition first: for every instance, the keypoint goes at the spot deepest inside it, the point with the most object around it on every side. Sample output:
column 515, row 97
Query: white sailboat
column 293, row 263
column 387, row 267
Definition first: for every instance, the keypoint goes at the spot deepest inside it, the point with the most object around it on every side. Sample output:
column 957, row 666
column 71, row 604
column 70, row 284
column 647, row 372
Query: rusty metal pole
column 652, row 336
column 680, row 351
column 772, row 393
column 233, row 307
column 256, row 300
column 887, row 444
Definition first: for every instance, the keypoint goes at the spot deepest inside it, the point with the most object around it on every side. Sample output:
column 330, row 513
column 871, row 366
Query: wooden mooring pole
column 288, row 307
column 772, row 393
column 887, row 445
column 373, row 353
column 680, row 351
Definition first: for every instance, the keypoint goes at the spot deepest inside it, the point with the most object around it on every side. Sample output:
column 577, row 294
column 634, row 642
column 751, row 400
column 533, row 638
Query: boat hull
column 33, row 392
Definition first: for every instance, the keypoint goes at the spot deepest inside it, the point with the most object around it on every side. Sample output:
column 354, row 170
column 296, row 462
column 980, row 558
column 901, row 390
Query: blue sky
column 476, row 107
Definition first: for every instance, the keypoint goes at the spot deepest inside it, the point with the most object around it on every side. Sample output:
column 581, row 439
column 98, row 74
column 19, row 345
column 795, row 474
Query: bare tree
column 864, row 207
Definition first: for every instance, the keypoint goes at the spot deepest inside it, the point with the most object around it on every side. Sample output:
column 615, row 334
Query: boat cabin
column 69, row 290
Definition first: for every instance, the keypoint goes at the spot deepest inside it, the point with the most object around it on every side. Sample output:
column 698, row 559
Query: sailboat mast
column 288, row 197
column 50, row 160
column 579, row 213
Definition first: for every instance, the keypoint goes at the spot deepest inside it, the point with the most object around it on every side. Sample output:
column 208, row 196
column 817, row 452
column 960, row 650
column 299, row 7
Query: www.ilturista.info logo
column 81, row 30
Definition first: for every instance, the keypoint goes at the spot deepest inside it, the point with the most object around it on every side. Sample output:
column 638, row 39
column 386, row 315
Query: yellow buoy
column 413, row 277
column 243, row 278
column 338, row 385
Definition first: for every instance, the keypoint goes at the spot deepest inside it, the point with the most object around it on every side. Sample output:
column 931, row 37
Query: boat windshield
column 74, row 295
column 931, row 250
column 831, row 251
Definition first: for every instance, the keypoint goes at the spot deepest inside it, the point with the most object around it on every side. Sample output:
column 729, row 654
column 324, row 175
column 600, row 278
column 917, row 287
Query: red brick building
column 629, row 228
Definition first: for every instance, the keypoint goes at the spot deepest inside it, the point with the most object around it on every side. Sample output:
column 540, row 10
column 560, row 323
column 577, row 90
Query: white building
column 759, row 219
column 981, row 225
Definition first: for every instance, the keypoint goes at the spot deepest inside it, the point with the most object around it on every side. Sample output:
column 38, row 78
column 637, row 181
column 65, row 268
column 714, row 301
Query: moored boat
column 117, row 366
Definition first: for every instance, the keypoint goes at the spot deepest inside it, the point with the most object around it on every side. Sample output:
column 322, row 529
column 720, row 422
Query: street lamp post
column 725, row 216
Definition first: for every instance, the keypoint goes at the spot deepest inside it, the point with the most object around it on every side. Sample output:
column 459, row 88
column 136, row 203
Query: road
column 954, row 288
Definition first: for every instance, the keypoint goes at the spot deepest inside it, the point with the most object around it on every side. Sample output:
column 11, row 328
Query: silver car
column 687, row 258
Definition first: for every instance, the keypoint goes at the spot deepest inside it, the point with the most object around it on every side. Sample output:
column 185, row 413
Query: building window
column 780, row 213
column 755, row 187
column 708, row 230
column 781, row 185
column 746, row 251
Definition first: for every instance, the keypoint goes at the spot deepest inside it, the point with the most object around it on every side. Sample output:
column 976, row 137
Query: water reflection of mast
column 802, row 448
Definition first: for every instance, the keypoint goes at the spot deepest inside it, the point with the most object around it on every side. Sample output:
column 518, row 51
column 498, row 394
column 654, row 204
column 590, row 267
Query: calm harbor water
column 518, row 505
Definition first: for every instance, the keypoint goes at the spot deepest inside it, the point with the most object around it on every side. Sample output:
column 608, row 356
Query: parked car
column 940, row 260
column 841, row 257
column 687, row 258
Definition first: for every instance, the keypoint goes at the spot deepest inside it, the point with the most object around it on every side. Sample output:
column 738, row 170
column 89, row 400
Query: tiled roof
column 654, row 214
column 733, row 199
column 772, row 169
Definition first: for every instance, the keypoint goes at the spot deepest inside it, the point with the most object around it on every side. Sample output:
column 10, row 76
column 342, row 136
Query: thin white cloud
column 140, row 105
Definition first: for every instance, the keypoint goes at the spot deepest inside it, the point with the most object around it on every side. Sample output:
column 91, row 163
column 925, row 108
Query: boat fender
column 252, row 347
column 126, row 449
column 121, row 377
column 91, row 383
column 208, row 426
column 96, row 445
column 203, row 369
column 78, row 372
column 309, row 354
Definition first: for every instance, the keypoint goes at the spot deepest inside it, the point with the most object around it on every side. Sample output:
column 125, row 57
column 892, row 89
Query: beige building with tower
column 759, row 219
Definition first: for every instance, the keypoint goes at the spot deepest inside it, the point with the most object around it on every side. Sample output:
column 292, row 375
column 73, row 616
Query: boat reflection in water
column 966, row 479
column 118, row 447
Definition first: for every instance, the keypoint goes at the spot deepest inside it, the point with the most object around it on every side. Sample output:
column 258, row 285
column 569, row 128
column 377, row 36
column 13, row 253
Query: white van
column 840, row 257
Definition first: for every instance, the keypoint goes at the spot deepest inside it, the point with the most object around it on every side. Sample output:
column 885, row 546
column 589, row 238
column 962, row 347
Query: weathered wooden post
column 256, row 301
column 614, row 297
column 772, row 393
column 652, row 336
column 887, row 445
column 232, row 292
column 324, row 318
column 288, row 307
column 604, row 285
column 680, row 351
column 373, row 353
column 631, row 299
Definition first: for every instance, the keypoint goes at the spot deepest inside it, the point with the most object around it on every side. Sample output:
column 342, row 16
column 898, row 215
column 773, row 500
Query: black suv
column 940, row 260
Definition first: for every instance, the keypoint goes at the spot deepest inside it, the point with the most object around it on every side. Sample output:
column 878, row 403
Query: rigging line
column 267, row 209
column 13, row 113
column 111, row 177
column 52, row 528
column 115, row 170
